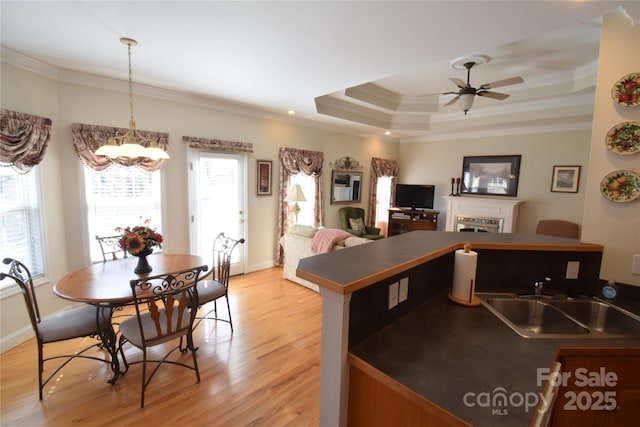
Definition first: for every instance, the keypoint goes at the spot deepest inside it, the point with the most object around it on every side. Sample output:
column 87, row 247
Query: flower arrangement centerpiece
column 140, row 241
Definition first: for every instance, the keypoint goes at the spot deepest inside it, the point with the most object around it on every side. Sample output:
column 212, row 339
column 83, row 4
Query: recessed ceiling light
column 387, row 133
column 291, row 112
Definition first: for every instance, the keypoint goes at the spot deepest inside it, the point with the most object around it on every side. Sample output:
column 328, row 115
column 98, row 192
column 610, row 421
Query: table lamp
column 295, row 195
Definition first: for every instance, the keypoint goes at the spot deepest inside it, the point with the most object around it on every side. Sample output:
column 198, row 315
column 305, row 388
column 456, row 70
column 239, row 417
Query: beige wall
column 616, row 225
column 437, row 162
column 31, row 93
column 66, row 103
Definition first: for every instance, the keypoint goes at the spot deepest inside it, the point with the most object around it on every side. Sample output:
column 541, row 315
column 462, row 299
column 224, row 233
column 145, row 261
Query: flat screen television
column 414, row 196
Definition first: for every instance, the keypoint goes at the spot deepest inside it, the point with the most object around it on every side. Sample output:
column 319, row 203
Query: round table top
column 109, row 282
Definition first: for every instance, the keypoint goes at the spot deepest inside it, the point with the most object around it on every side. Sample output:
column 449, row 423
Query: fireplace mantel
column 490, row 207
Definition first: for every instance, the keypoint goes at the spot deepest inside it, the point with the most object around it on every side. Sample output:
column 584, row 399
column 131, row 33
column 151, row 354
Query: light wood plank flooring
column 267, row 373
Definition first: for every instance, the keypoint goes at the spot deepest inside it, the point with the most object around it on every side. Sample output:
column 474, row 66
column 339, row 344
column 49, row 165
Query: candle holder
column 457, row 187
column 453, row 180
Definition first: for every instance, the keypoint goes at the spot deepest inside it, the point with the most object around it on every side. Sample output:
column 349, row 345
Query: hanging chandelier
column 131, row 144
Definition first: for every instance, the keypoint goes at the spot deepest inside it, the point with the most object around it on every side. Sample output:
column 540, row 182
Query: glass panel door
column 218, row 199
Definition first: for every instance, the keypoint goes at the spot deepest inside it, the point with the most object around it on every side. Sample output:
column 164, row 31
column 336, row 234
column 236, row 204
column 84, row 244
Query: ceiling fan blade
column 437, row 94
column 452, row 101
column 501, row 83
column 460, row 83
column 493, row 95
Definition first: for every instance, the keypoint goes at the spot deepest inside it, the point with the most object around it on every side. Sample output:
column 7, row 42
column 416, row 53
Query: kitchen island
column 354, row 286
column 463, row 358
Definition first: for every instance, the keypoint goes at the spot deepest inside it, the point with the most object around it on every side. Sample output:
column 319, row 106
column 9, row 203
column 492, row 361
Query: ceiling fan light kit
column 467, row 93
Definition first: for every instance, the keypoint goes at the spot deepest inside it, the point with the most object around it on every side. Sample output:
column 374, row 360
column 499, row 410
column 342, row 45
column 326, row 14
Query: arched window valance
column 88, row 138
column 218, row 144
column 23, row 139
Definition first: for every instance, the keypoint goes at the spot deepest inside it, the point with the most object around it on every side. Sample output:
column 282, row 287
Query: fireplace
column 482, row 214
column 478, row 224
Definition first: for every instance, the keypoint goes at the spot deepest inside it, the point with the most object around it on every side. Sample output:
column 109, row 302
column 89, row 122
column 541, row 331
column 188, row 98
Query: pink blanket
column 325, row 239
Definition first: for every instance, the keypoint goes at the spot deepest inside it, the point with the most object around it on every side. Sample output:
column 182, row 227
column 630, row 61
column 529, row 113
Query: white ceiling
column 306, row 56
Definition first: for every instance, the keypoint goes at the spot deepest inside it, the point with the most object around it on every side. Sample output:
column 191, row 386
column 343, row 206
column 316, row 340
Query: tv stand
column 405, row 220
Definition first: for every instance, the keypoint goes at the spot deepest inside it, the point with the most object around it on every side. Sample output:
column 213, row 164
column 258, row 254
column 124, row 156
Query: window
column 307, row 209
column 120, row 197
column 21, row 219
column 383, row 201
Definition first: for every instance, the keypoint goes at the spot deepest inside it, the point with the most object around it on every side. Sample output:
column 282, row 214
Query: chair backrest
column 349, row 212
column 222, row 250
column 110, row 245
column 172, row 301
column 21, row 275
column 559, row 228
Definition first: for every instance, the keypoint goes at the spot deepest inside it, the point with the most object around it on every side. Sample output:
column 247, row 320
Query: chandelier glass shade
column 131, row 144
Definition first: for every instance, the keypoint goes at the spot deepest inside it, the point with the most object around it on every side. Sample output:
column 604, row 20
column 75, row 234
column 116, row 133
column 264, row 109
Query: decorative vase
column 143, row 265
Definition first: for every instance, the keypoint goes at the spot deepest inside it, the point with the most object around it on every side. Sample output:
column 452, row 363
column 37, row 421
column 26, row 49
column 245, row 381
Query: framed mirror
column 346, row 186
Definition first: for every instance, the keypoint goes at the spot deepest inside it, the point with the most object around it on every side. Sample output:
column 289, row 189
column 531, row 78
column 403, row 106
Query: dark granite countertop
column 370, row 263
column 444, row 351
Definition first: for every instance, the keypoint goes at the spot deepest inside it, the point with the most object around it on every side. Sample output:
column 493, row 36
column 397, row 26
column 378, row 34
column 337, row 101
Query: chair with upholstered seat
column 218, row 286
column 79, row 322
column 352, row 219
column 110, row 246
column 166, row 308
column 558, row 228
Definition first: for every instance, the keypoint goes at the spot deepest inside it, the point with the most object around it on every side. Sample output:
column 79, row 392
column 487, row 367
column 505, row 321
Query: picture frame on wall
column 491, row 175
column 565, row 179
column 263, row 174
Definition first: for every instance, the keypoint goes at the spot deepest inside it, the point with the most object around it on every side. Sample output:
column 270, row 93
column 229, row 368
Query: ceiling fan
column 467, row 93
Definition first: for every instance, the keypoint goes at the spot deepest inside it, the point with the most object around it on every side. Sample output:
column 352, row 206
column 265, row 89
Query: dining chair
column 218, row 286
column 110, row 245
column 78, row 322
column 165, row 307
column 558, row 228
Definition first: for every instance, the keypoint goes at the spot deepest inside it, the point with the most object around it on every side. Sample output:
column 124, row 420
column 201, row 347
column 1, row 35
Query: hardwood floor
column 267, row 373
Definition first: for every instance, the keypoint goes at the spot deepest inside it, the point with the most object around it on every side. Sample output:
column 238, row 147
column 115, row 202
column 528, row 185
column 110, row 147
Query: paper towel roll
column 464, row 275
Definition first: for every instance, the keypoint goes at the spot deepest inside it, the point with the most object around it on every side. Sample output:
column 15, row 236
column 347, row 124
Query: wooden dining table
column 107, row 286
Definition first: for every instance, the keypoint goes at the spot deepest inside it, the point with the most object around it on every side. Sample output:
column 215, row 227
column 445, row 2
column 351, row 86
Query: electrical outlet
column 404, row 290
column 573, row 268
column 393, row 295
column 635, row 266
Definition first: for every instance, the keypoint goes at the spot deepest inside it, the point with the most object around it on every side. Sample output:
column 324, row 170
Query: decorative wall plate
column 621, row 186
column 624, row 138
column 626, row 91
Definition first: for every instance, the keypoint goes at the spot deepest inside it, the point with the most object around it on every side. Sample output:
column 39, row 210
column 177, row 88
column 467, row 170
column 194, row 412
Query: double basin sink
column 560, row 317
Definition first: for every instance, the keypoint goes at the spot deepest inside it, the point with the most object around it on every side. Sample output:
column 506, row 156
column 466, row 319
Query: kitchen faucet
column 537, row 286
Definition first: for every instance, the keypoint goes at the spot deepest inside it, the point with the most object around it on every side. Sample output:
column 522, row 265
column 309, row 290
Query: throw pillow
column 357, row 225
column 302, row 230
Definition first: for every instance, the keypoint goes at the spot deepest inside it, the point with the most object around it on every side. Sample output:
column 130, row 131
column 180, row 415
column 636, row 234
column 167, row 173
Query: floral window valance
column 218, row 145
column 88, row 138
column 23, row 139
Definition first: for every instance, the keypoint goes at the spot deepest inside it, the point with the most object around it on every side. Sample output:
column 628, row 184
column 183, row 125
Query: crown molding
column 29, row 64
column 107, row 83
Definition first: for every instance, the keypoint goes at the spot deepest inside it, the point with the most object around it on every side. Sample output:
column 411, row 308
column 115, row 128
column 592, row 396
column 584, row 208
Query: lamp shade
column 466, row 101
column 295, row 194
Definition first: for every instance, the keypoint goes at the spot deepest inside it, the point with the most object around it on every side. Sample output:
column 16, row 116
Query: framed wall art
column 264, row 177
column 491, row 175
column 565, row 179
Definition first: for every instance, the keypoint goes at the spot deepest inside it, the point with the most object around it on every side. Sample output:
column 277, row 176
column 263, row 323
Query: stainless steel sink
column 600, row 316
column 559, row 317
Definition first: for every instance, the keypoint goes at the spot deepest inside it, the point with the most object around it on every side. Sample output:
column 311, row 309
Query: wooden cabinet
column 595, row 387
column 405, row 220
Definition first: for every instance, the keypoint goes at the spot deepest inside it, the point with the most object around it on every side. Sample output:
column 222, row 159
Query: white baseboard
column 260, row 266
column 15, row 338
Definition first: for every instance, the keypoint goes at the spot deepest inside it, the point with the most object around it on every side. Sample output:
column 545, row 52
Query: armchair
column 350, row 212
